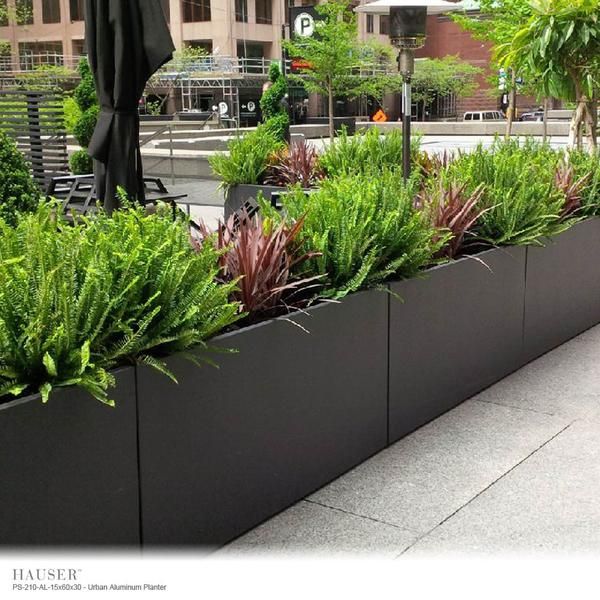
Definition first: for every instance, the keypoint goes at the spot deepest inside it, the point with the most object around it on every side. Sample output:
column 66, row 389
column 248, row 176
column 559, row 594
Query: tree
column 497, row 22
column 439, row 77
column 561, row 43
column 332, row 56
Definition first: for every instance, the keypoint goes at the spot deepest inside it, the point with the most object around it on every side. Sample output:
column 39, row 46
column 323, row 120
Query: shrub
column 297, row 164
column 248, row 158
column 365, row 230
column 76, row 301
column 271, row 103
column 18, row 191
column 81, row 163
column 72, row 113
column 85, row 125
column 521, row 199
column 365, row 152
column 87, row 103
column 261, row 256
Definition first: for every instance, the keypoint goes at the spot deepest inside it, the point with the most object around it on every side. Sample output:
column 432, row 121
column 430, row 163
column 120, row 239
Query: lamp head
column 408, row 18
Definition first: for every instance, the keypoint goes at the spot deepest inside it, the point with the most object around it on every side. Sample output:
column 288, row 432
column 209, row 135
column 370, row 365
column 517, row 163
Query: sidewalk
column 514, row 470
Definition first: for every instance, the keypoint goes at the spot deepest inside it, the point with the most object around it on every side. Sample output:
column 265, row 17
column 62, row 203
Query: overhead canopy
column 434, row 7
column 127, row 41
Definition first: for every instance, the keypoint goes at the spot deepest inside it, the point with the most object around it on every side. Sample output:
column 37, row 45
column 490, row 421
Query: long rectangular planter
column 229, row 447
column 456, row 331
column 245, row 195
column 562, row 296
column 69, row 469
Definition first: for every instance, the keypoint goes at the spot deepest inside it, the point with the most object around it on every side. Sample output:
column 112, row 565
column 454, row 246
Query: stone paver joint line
column 484, row 490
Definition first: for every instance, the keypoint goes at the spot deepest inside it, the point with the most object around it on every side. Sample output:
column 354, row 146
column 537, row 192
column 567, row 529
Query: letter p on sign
column 304, row 25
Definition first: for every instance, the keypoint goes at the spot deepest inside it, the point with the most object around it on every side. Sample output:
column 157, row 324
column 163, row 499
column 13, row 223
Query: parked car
column 536, row 115
column 483, row 115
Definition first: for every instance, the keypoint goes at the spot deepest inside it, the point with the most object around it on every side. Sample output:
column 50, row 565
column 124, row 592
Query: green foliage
column 72, row 113
column 87, row 103
column 274, row 114
column 365, row 229
column 84, row 128
column 76, row 301
column 248, row 157
column 521, row 200
column 81, row 163
column 18, row 191
column 561, row 43
column 439, row 77
column 367, row 151
column 587, row 166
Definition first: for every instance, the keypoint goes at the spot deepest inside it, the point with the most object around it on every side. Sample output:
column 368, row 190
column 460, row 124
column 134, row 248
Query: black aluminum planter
column 69, row 469
column 562, row 296
column 245, row 195
column 457, row 330
column 228, row 448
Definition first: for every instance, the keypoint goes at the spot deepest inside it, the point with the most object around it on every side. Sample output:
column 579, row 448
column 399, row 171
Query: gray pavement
column 513, row 471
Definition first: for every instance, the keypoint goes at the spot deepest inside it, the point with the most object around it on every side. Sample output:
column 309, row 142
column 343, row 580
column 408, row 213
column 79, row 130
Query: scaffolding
column 228, row 75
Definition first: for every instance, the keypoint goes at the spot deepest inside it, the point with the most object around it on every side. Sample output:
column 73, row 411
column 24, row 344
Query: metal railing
column 28, row 62
column 214, row 65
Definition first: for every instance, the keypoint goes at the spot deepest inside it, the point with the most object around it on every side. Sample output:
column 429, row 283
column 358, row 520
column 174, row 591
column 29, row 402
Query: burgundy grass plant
column 260, row 256
column 296, row 164
column 451, row 209
column 565, row 180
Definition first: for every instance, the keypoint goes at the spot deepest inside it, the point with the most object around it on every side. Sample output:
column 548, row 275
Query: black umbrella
column 127, row 41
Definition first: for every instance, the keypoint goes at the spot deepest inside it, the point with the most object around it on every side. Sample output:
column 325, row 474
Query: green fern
column 364, row 230
column 76, row 301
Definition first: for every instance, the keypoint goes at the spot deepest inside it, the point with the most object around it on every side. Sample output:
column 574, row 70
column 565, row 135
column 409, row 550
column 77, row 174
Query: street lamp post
column 408, row 28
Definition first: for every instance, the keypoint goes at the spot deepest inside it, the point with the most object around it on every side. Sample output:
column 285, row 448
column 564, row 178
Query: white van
column 484, row 115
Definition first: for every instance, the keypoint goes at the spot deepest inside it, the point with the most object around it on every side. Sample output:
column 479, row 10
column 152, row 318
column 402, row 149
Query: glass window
column 241, row 11
column 76, row 7
column 33, row 54
column 468, row 117
column 3, row 13
column 476, row 117
column 264, row 13
column 24, row 12
column 369, row 23
column 196, row 10
column 51, row 11
column 384, row 24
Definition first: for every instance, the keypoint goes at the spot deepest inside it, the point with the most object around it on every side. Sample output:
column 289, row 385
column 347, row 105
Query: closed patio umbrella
column 127, row 41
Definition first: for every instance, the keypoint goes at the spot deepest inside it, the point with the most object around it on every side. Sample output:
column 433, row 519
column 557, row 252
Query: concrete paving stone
column 424, row 478
column 564, row 382
column 199, row 191
column 548, row 505
column 308, row 528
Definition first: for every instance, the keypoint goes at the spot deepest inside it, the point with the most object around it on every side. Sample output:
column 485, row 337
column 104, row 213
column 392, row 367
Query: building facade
column 35, row 31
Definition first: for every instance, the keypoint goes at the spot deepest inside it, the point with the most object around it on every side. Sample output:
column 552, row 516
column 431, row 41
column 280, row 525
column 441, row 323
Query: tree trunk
column 545, row 117
column 331, row 121
column 591, row 125
column 512, row 105
column 576, row 123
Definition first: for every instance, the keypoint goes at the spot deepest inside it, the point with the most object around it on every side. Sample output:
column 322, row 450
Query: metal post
column 406, row 118
column 171, row 155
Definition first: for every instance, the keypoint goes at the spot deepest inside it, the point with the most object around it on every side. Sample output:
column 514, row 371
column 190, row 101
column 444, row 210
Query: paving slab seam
column 484, row 490
column 364, row 517
column 539, row 412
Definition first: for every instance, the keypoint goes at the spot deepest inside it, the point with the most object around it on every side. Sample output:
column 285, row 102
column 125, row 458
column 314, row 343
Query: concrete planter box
column 562, row 296
column 228, row 448
column 456, row 331
column 69, row 469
